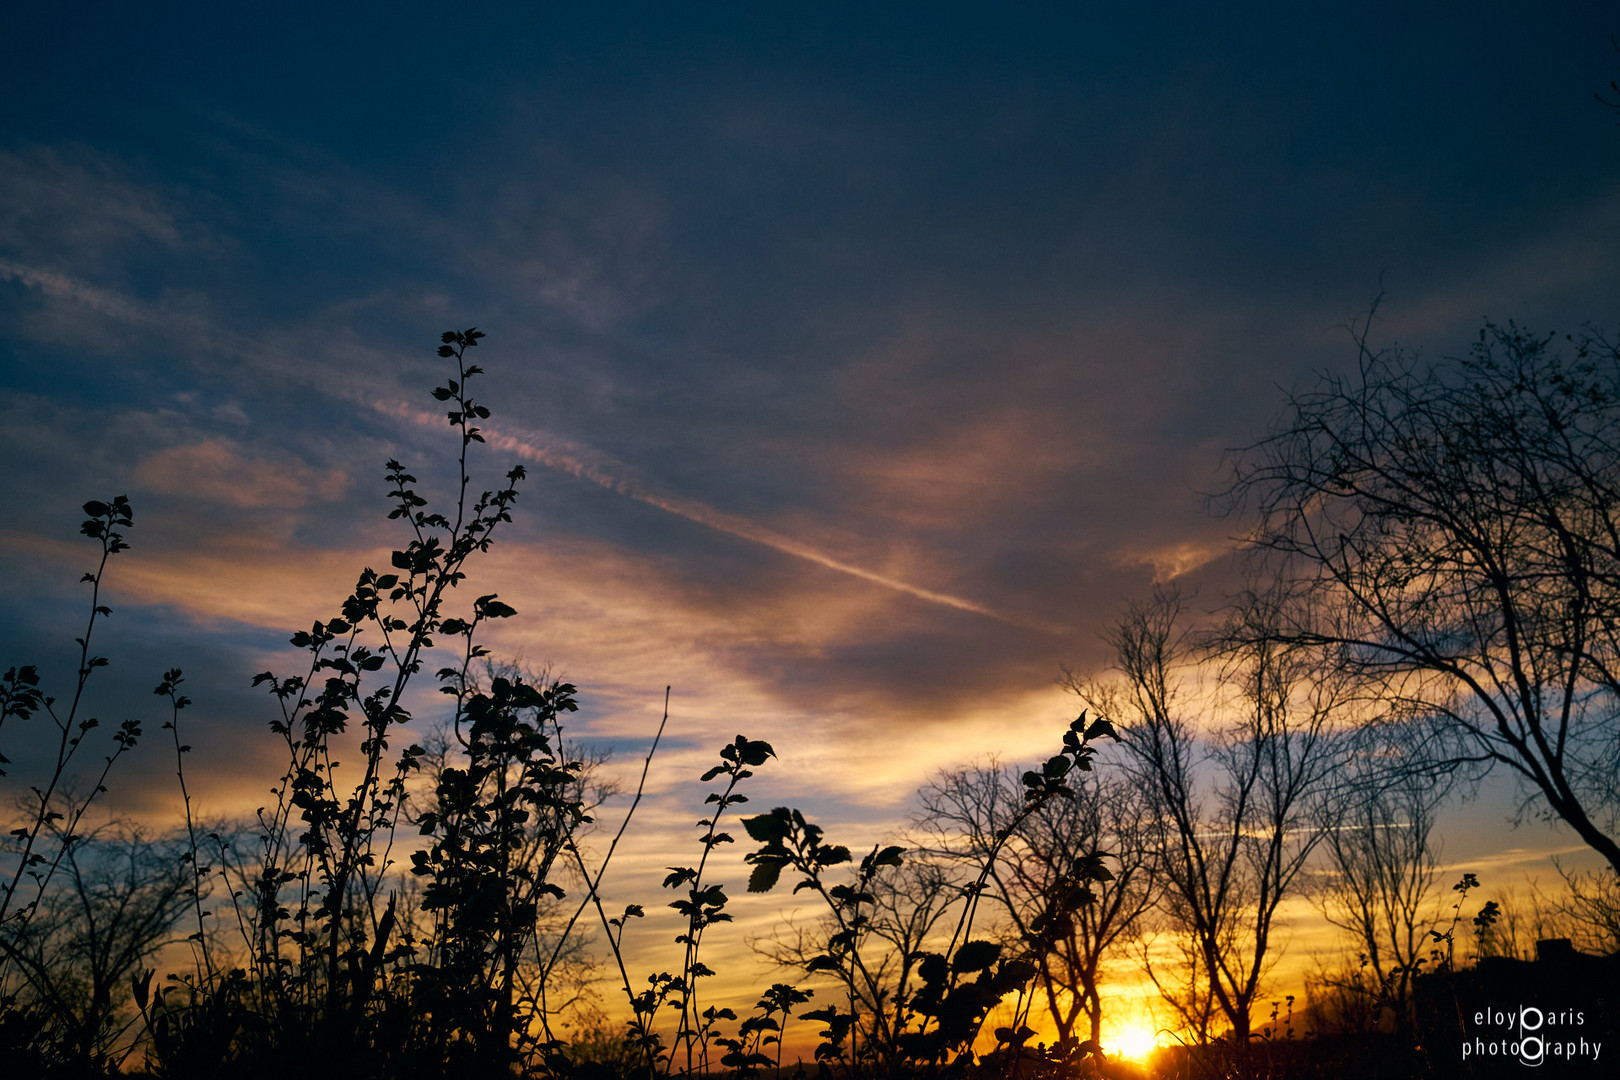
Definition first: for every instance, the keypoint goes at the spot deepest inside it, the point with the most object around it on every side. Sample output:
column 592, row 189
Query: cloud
column 340, row 364
column 79, row 206
column 1571, row 255
column 589, row 249
column 251, row 578
column 1173, row 560
column 60, row 286
column 217, row 470
column 624, row 626
column 579, row 461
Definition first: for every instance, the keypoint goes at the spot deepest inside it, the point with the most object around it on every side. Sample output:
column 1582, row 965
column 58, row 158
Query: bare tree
column 113, row 905
column 962, row 813
column 909, row 905
column 1464, row 520
column 1590, row 908
column 1380, row 885
column 1232, row 780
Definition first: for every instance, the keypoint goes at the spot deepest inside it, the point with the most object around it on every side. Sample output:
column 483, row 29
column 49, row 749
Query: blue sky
column 865, row 361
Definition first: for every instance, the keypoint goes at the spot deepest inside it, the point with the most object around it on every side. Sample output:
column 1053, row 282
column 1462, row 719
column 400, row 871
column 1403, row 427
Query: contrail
column 574, row 460
column 560, row 455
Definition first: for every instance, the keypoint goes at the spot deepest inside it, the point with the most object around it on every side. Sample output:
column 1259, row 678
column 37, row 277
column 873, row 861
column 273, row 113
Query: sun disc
column 1136, row 1042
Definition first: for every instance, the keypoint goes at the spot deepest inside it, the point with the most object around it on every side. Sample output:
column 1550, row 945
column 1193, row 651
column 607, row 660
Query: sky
column 864, row 362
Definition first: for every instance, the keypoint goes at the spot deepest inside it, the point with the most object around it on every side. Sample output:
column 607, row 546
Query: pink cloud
column 218, row 470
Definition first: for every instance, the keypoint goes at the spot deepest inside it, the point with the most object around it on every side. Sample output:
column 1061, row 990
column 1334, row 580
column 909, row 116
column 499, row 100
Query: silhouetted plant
column 1230, row 795
column 745, row 1053
column 35, row 1025
column 704, row 905
column 330, row 967
column 940, row 1020
column 1445, row 959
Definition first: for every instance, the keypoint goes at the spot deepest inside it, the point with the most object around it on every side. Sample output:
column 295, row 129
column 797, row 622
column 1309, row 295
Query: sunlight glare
column 1136, row 1042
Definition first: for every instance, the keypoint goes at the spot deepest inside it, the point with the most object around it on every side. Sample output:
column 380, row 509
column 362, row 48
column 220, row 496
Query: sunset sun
column 1136, row 1042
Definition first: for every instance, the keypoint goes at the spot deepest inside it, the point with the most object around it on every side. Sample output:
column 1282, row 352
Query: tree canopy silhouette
column 1456, row 529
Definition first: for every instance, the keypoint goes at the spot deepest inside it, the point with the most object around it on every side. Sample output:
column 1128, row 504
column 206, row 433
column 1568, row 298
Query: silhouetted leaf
column 975, row 956
column 755, row 752
column 768, row 827
column 764, row 876
column 1103, row 729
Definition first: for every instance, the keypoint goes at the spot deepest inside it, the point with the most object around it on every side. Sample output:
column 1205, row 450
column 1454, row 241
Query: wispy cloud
column 581, row 462
column 1172, row 561
column 1573, row 254
column 65, row 287
column 78, row 206
column 218, row 470
column 564, row 456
